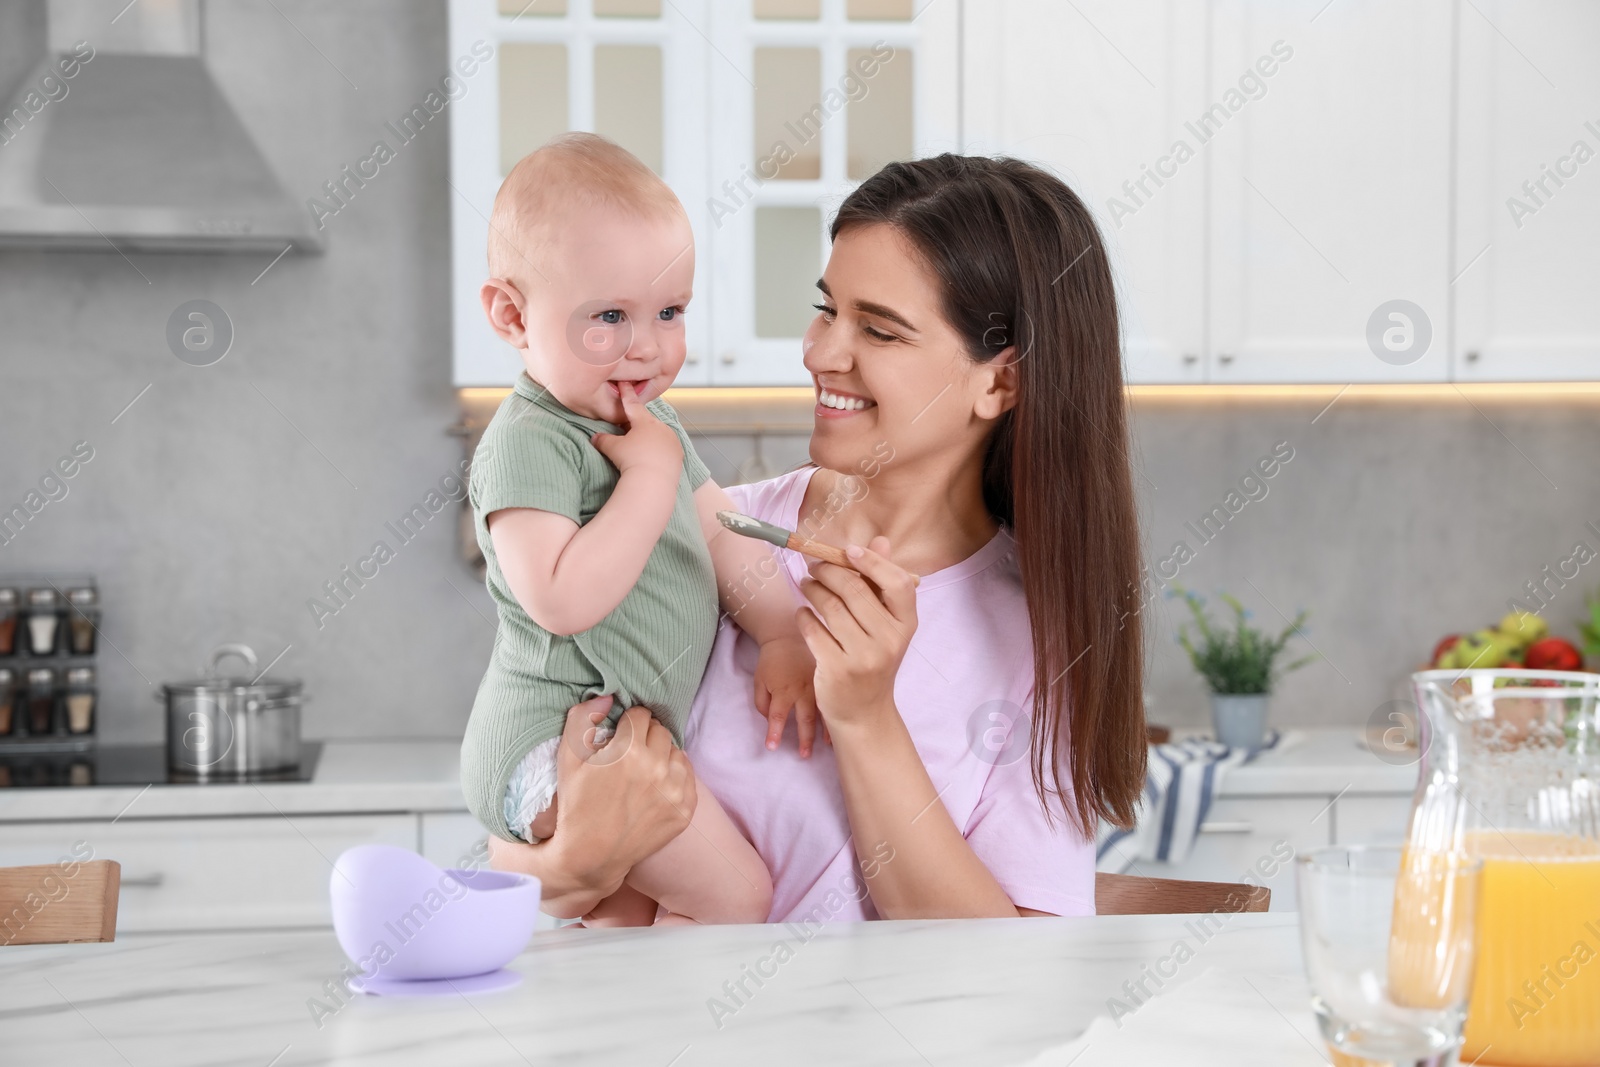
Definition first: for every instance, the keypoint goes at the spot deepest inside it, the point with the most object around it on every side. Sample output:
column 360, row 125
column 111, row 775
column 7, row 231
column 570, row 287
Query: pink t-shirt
column 964, row 691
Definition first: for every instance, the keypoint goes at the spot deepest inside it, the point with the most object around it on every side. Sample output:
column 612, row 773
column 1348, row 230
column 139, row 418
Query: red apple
column 1441, row 648
column 1553, row 654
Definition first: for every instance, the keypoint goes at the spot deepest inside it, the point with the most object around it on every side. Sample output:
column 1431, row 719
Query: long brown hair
column 1021, row 263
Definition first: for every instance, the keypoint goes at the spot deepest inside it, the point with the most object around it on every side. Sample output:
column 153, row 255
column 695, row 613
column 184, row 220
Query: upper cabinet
column 1099, row 91
column 1328, row 143
column 1337, row 191
column 622, row 68
column 760, row 114
column 1527, row 246
column 809, row 98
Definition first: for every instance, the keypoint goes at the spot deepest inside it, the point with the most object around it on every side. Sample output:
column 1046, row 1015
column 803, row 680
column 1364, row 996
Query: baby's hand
column 649, row 442
column 784, row 675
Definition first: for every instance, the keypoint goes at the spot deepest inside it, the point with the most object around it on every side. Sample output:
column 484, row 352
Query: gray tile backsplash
column 1396, row 522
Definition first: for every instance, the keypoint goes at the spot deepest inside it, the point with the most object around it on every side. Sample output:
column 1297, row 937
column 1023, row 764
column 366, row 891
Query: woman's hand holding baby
column 858, row 627
column 618, row 804
column 648, row 443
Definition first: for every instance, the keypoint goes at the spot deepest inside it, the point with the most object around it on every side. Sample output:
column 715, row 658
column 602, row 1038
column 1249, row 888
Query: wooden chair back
column 59, row 902
column 1126, row 894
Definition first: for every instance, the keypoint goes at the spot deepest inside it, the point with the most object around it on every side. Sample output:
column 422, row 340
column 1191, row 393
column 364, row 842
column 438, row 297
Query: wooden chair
column 59, row 903
column 1126, row 894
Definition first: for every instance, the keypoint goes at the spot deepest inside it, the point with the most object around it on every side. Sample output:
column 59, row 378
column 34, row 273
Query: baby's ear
column 503, row 304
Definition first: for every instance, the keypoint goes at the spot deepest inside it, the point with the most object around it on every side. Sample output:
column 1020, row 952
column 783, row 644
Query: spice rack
column 49, row 636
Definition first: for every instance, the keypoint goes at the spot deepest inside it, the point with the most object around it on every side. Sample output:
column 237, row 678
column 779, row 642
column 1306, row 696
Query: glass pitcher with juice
column 1511, row 776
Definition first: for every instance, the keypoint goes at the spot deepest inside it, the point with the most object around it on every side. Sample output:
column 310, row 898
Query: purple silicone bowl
column 397, row 916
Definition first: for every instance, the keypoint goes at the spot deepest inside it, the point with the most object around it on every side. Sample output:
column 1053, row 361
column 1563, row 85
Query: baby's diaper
column 533, row 784
column 532, row 788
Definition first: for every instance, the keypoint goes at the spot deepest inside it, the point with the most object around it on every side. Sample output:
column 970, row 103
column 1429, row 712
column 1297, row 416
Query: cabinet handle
column 1189, row 359
column 1226, row 828
column 1472, row 357
column 1225, row 358
column 149, row 881
column 729, row 358
column 692, row 358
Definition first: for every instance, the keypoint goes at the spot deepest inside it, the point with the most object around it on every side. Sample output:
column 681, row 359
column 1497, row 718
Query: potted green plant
column 1239, row 666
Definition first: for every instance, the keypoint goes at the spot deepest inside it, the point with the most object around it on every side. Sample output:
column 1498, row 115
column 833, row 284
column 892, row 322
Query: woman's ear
column 999, row 388
column 503, row 304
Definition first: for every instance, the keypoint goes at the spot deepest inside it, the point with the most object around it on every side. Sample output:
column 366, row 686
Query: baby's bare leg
column 543, row 824
column 626, row 907
column 709, row 873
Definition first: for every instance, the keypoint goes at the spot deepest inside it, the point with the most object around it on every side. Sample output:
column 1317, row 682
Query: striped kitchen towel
column 1182, row 779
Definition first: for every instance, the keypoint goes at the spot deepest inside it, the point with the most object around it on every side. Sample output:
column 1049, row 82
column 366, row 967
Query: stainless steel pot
column 227, row 728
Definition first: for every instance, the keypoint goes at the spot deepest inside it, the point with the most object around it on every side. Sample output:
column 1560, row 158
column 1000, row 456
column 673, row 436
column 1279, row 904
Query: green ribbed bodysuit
column 651, row 650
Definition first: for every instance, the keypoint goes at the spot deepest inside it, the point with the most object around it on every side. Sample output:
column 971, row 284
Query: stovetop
column 124, row 765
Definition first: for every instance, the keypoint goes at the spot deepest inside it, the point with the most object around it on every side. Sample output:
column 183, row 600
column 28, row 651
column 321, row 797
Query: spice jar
column 83, row 620
column 8, row 623
column 40, row 701
column 8, row 700
column 81, row 700
column 44, row 621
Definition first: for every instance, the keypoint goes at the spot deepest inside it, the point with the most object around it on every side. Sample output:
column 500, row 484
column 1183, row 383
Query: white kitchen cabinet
column 1256, row 839
column 1371, row 820
column 808, row 100
column 1528, row 205
column 640, row 80
column 210, row 874
column 760, row 116
column 1261, row 194
column 1357, row 192
column 452, row 839
column 1098, row 92
column 1330, row 188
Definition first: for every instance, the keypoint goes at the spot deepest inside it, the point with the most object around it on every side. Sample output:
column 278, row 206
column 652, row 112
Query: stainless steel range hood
column 138, row 148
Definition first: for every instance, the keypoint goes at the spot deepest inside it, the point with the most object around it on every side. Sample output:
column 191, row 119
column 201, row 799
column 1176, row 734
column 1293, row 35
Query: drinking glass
column 1388, row 936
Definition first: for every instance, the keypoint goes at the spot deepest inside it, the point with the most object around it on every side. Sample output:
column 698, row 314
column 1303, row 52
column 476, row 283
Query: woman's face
column 892, row 377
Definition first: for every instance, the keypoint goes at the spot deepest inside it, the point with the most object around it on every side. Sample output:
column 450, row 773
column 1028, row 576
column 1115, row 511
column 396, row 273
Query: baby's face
column 608, row 313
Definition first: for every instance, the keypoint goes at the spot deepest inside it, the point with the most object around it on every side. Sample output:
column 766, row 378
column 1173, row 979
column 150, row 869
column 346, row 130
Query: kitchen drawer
column 1258, row 836
column 1371, row 820
column 206, row 874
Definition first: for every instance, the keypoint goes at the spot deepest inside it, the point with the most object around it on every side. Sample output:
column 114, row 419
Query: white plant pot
column 1240, row 719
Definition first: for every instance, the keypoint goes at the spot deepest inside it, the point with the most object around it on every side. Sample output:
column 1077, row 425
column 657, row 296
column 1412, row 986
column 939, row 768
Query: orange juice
column 1536, row 993
column 1431, row 935
column 1536, row 986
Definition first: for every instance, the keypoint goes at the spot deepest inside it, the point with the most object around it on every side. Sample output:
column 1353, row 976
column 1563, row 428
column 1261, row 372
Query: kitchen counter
column 990, row 992
column 351, row 777
column 252, row 856
column 423, row 776
column 1331, row 760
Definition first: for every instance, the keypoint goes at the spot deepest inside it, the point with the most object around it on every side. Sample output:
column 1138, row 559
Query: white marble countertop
column 376, row 776
column 992, row 992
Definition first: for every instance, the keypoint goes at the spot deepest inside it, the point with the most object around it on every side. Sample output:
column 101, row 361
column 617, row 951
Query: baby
column 598, row 521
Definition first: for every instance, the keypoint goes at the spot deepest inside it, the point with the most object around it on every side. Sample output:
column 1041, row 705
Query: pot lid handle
column 222, row 652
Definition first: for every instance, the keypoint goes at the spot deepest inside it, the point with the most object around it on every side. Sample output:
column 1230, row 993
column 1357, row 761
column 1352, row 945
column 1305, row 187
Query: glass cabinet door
column 808, row 98
column 631, row 70
column 760, row 114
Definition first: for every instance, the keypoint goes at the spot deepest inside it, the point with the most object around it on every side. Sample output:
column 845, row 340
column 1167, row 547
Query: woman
column 970, row 429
